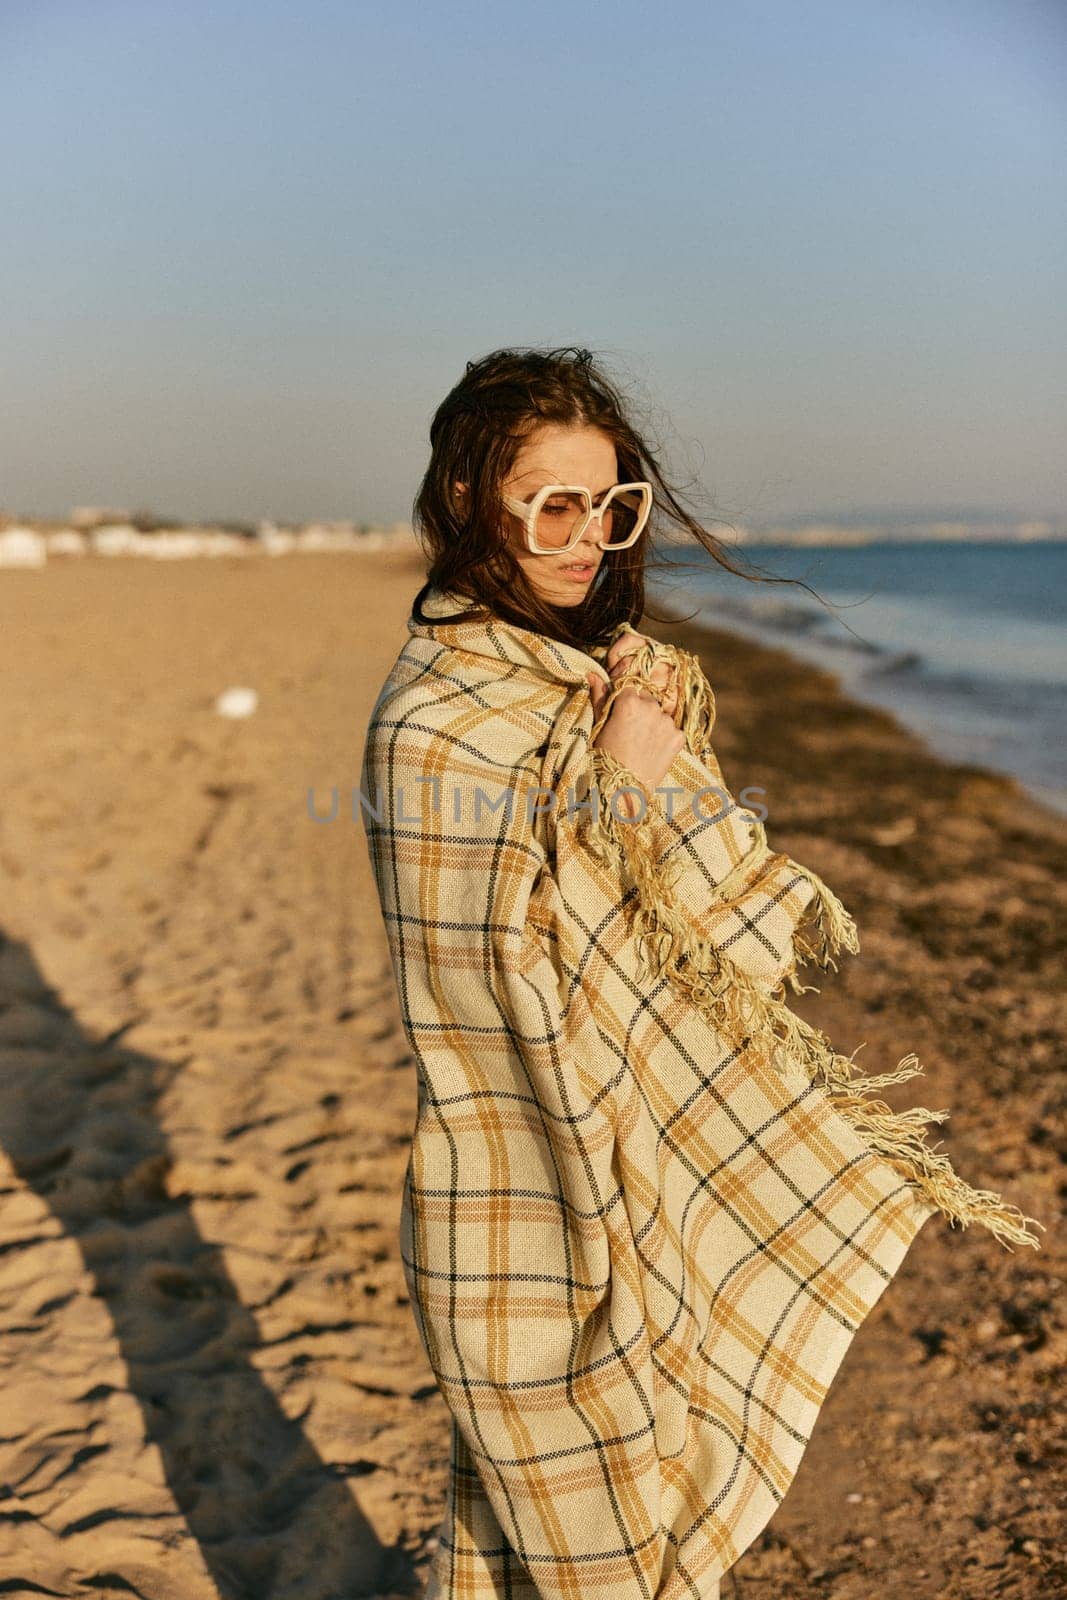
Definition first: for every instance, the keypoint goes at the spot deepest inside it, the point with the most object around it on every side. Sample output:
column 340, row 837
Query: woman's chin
column 565, row 594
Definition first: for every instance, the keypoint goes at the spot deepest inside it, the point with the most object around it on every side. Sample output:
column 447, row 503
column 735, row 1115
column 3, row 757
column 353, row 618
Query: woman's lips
column 578, row 574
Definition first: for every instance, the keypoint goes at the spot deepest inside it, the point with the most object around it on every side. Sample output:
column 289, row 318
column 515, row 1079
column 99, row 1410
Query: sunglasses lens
column 625, row 510
column 560, row 519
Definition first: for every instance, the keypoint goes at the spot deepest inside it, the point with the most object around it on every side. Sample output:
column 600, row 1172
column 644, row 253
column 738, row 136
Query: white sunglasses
column 636, row 497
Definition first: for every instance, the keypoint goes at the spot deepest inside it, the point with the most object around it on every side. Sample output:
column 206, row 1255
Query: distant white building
column 22, row 547
column 115, row 539
column 275, row 541
column 66, row 542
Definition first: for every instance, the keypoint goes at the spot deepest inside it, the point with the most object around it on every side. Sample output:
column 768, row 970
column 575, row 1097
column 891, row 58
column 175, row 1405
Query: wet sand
column 211, row 1382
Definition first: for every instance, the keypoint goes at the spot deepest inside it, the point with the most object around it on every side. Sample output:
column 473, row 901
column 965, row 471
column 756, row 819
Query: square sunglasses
column 559, row 513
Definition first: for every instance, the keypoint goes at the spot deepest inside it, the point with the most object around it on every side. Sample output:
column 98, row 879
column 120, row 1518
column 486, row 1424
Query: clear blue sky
column 248, row 248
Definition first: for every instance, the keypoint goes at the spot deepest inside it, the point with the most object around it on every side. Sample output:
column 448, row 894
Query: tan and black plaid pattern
column 637, row 1250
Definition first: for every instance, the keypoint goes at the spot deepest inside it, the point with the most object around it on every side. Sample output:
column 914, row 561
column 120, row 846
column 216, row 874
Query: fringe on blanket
column 673, row 948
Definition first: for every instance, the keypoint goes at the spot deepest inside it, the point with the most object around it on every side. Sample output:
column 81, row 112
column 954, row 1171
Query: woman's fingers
column 625, row 645
column 638, row 734
column 662, row 672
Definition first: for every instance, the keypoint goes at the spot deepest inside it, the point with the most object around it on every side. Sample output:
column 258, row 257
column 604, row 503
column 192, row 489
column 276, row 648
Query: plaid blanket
column 646, row 1207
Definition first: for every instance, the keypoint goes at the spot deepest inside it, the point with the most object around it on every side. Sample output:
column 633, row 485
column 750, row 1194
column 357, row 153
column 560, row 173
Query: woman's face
column 558, row 454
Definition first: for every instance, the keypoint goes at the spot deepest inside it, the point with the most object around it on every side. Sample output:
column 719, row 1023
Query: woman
column 647, row 1207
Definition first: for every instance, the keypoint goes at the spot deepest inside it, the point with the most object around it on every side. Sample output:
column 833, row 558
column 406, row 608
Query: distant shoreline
column 976, row 671
column 818, row 537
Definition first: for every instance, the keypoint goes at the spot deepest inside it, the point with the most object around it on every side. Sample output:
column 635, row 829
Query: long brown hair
column 476, row 434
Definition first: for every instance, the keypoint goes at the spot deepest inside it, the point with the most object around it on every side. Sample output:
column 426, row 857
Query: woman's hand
column 639, row 732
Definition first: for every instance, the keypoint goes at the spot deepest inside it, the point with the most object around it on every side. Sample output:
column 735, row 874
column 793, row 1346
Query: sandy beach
column 211, row 1382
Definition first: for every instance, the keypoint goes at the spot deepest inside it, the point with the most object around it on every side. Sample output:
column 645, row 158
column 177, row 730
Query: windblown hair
column 476, row 435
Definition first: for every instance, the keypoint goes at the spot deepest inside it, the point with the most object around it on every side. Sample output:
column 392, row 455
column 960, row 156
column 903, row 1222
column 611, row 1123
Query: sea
column 964, row 641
